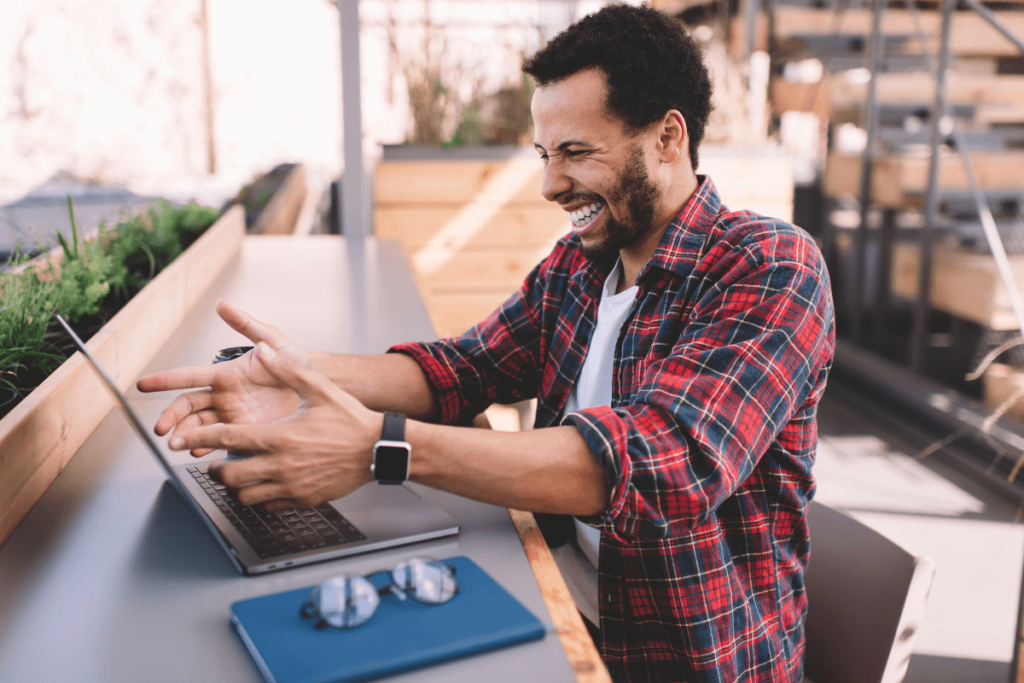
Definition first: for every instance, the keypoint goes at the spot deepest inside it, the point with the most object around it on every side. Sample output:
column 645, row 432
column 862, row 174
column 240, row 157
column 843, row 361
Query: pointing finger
column 181, row 378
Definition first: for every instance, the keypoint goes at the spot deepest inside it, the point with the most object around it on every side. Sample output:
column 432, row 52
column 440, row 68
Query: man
column 677, row 350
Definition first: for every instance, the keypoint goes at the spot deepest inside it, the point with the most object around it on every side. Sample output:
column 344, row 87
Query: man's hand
column 238, row 392
column 321, row 452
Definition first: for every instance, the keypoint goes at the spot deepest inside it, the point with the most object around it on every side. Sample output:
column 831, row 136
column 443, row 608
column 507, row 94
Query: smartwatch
column 391, row 453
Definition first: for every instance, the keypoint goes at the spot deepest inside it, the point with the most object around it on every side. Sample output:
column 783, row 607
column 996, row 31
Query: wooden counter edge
column 587, row 665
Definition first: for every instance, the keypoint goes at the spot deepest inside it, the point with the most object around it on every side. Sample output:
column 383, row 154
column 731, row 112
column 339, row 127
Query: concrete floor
column 975, row 537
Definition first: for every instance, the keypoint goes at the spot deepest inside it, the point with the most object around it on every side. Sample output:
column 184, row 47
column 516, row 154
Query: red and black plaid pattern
column 708, row 443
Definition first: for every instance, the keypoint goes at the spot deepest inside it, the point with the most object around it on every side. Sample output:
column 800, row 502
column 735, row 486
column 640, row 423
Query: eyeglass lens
column 349, row 601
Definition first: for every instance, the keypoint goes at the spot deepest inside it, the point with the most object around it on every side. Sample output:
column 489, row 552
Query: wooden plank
column 579, row 648
column 902, row 180
column 971, row 34
column 282, row 211
column 809, row 97
column 451, row 183
column 964, row 284
column 41, row 435
column 1000, row 382
column 453, row 313
column 520, row 226
column 917, row 88
column 498, row 269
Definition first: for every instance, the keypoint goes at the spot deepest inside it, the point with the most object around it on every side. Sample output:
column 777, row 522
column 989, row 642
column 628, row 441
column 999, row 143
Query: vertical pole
column 919, row 338
column 354, row 214
column 884, row 276
column 211, row 146
column 750, row 12
column 867, row 166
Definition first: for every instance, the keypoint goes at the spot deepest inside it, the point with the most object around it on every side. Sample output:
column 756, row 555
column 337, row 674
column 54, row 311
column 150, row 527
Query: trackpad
column 374, row 495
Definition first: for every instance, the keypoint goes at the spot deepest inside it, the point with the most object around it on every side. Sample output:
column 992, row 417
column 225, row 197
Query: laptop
column 257, row 541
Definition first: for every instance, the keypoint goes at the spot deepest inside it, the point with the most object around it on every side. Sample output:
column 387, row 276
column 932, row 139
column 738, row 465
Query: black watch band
column 394, row 427
column 391, row 454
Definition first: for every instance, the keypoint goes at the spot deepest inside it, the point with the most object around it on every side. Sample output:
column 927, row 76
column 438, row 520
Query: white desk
column 111, row 577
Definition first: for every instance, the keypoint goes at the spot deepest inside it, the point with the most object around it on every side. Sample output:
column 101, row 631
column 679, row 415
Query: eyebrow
column 564, row 145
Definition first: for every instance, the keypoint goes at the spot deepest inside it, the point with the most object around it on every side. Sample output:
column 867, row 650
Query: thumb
column 311, row 385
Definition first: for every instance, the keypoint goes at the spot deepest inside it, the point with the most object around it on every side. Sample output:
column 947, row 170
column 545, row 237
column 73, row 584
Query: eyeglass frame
column 310, row 608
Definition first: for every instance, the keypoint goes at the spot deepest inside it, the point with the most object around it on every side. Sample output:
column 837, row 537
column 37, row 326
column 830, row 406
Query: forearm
column 546, row 470
column 389, row 382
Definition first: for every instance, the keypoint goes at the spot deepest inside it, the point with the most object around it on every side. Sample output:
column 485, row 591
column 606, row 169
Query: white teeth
column 582, row 216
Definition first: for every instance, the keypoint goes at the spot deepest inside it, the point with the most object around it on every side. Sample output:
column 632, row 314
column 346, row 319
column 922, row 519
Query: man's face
column 593, row 168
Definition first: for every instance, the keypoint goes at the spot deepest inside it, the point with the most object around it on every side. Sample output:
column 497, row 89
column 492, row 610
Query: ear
column 673, row 140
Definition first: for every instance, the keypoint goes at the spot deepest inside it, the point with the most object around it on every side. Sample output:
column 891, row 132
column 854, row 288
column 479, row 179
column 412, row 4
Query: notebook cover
column 402, row 635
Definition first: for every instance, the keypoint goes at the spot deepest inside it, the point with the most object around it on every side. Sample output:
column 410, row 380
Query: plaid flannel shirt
column 708, row 443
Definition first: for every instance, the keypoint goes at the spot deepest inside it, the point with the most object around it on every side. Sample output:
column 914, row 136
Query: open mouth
column 584, row 218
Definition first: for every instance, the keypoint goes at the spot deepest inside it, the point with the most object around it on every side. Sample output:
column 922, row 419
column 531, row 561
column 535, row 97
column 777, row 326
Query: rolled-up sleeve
column 496, row 361
column 749, row 356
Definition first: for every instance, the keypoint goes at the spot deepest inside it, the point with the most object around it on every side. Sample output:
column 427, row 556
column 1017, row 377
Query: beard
column 640, row 195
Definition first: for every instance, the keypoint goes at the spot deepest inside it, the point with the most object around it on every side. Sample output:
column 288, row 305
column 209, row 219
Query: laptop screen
column 129, row 412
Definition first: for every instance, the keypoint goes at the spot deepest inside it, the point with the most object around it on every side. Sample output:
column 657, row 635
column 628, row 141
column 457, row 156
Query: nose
column 554, row 182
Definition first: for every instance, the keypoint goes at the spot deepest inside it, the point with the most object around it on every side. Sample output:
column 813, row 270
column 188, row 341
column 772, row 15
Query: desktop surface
column 111, row 577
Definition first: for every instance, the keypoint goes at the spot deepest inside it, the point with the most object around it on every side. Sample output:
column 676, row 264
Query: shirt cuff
column 606, row 435
column 441, row 376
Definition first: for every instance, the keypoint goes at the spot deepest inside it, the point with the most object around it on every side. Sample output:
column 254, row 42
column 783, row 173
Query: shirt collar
column 683, row 242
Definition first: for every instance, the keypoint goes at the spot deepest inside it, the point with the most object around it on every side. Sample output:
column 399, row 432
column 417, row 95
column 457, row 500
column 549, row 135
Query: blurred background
column 893, row 132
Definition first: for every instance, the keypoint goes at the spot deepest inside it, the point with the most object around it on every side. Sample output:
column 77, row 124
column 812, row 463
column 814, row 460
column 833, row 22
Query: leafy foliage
column 94, row 279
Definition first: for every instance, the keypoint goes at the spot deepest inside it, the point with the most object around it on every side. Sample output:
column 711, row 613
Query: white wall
column 113, row 90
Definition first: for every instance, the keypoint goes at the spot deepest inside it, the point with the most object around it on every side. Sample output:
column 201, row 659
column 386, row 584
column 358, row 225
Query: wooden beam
column 451, row 183
column 919, row 89
column 964, row 284
column 519, row 226
column 971, row 34
column 900, row 181
column 809, row 97
column 584, row 658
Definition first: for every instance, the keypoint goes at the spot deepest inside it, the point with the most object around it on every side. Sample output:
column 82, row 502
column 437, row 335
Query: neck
column 636, row 256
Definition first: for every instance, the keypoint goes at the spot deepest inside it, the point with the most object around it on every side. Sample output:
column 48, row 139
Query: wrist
column 392, row 454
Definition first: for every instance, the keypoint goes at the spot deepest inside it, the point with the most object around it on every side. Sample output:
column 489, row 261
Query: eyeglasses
column 348, row 601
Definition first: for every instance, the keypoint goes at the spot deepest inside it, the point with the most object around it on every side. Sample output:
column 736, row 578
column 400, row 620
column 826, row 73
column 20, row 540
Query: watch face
column 391, row 463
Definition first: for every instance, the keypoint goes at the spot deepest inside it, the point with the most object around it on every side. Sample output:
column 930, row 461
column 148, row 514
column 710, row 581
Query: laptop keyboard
column 272, row 534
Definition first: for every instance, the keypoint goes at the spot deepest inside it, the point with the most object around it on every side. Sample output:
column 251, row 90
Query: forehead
column 574, row 109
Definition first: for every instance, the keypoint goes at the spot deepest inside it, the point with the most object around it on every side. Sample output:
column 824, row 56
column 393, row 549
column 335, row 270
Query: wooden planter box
column 282, row 211
column 40, row 436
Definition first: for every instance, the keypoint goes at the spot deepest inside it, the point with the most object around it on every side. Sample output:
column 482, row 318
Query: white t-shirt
column 594, row 388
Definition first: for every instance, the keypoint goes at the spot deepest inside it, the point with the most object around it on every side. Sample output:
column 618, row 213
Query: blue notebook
column 402, row 635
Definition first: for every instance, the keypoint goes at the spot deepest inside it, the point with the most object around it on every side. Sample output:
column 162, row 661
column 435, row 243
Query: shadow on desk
column 175, row 544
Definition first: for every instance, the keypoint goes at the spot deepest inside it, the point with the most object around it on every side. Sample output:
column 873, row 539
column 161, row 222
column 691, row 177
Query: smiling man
column 678, row 351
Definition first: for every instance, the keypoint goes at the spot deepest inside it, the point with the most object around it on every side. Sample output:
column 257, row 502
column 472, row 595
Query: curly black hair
column 650, row 63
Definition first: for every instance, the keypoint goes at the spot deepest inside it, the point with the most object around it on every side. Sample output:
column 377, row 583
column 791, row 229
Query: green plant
column 93, row 280
column 25, row 313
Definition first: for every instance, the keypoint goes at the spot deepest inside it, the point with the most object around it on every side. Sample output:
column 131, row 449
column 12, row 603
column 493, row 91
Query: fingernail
column 176, row 442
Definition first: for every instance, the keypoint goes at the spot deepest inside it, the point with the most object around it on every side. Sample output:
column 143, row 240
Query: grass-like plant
column 94, row 279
